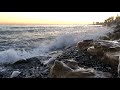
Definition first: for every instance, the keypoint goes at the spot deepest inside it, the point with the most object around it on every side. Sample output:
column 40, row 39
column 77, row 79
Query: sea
column 25, row 41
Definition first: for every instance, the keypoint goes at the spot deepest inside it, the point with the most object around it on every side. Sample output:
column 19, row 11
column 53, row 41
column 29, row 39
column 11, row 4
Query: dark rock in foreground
column 29, row 68
column 61, row 70
column 96, row 59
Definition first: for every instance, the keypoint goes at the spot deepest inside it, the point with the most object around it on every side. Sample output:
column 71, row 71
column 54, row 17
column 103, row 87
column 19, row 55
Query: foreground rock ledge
column 107, row 51
column 61, row 70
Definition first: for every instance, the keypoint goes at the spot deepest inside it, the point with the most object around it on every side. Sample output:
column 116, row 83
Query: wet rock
column 86, row 73
column 112, row 59
column 106, row 51
column 105, row 38
column 119, row 68
column 92, row 50
column 72, row 64
column 107, row 46
column 29, row 68
column 49, row 62
column 33, row 60
column 20, row 62
column 1, row 75
column 115, row 35
column 100, row 74
column 84, row 44
column 61, row 70
column 15, row 74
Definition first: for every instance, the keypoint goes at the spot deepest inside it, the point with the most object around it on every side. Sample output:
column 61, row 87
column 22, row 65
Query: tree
column 109, row 21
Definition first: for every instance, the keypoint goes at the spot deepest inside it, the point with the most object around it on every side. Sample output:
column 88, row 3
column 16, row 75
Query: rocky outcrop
column 66, row 69
column 106, row 51
column 61, row 70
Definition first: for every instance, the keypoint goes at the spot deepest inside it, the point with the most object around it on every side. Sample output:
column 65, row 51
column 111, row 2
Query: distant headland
column 109, row 21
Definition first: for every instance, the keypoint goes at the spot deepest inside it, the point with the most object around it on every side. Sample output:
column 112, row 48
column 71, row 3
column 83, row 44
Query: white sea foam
column 65, row 38
column 11, row 55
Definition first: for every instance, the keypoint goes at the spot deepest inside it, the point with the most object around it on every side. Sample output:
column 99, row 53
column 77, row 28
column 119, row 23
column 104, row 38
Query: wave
column 60, row 42
column 12, row 55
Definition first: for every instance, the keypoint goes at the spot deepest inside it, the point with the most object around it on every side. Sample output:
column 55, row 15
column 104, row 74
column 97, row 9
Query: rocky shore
column 86, row 59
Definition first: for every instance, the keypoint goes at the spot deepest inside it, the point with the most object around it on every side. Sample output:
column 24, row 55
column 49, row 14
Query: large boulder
column 106, row 51
column 61, row 70
column 107, row 46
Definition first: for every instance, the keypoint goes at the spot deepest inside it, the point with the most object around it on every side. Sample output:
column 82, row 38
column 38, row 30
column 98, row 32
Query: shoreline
column 72, row 59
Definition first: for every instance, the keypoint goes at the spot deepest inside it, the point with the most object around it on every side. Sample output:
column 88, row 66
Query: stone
column 15, row 74
column 81, row 73
column 72, row 64
column 84, row 45
column 119, row 68
column 111, row 59
column 105, row 38
column 92, row 50
column 107, row 51
column 61, row 70
column 107, row 45
column 100, row 74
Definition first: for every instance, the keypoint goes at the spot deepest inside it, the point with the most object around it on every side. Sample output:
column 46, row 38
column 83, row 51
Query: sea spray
column 64, row 37
column 62, row 41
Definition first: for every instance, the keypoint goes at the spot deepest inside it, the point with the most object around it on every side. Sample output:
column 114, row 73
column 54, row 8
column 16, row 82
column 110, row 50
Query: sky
column 54, row 17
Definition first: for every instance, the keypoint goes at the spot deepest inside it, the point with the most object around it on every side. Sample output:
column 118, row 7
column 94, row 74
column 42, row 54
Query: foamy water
column 24, row 41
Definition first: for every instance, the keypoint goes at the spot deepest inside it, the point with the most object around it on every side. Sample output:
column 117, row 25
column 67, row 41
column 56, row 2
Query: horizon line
column 45, row 24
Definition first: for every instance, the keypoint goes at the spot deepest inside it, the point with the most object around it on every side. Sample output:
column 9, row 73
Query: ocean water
column 25, row 41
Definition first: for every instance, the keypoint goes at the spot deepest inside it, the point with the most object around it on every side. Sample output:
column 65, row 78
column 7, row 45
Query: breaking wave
column 62, row 40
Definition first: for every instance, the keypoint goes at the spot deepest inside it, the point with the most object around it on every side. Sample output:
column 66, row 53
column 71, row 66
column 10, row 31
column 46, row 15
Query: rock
column 115, row 36
column 100, row 74
column 1, row 75
column 112, row 61
column 106, row 51
column 15, row 74
column 119, row 68
column 107, row 46
column 105, row 38
column 61, row 70
column 33, row 60
column 85, row 44
column 81, row 73
column 72, row 64
column 92, row 50
column 49, row 62
column 29, row 68
column 112, row 58
column 90, row 40
column 20, row 62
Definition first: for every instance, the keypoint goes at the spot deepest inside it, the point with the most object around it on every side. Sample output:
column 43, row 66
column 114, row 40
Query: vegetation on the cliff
column 109, row 21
